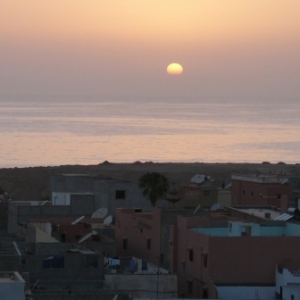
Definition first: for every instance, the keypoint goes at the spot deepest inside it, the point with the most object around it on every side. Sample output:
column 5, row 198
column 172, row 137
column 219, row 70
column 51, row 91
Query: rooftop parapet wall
column 260, row 179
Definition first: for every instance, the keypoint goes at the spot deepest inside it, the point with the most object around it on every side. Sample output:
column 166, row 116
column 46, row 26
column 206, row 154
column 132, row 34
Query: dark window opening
column 243, row 192
column 120, row 194
column 77, row 236
column 205, row 260
column 190, row 287
column 161, row 258
column 148, row 244
column 63, row 238
column 278, row 196
column 205, row 294
column 252, row 193
column 125, row 244
column 191, row 254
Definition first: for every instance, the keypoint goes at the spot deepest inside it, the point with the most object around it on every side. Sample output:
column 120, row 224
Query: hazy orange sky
column 228, row 48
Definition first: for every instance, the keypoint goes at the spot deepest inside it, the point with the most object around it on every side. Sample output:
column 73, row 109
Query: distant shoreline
column 33, row 183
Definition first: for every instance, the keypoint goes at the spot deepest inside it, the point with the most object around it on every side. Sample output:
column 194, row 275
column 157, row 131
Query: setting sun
column 174, row 69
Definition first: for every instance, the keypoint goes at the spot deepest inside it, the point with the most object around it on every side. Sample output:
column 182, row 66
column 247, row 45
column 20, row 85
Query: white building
column 12, row 286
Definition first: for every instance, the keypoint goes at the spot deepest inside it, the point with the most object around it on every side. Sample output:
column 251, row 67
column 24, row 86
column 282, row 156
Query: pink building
column 263, row 190
column 148, row 235
column 213, row 256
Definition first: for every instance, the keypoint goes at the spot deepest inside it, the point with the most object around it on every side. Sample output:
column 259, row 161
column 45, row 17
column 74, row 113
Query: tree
column 154, row 186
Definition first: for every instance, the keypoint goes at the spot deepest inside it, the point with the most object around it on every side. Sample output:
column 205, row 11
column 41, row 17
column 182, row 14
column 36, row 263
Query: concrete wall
column 144, row 286
column 104, row 190
column 71, row 183
column 224, row 197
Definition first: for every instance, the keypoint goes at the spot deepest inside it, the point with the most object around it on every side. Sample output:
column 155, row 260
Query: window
column 190, row 287
column 278, row 196
column 205, row 293
column 191, row 254
column 161, row 258
column 205, row 260
column 243, row 192
column 252, row 193
column 247, row 231
column 120, row 194
column 125, row 244
column 148, row 244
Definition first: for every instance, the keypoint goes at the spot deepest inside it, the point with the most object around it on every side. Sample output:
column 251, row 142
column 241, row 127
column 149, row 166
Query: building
column 288, row 282
column 19, row 212
column 105, row 192
column 194, row 194
column 264, row 190
column 229, row 259
column 12, row 286
column 148, row 234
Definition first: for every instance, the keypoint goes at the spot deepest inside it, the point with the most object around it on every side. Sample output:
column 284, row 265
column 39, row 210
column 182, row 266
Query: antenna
column 196, row 209
column 108, row 220
column 87, row 236
column 100, row 213
column 77, row 220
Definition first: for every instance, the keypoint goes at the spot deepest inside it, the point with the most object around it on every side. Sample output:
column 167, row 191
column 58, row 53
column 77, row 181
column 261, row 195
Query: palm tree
column 154, row 186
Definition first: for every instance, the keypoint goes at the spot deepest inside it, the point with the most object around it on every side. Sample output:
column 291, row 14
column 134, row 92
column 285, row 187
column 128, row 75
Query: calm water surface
column 88, row 131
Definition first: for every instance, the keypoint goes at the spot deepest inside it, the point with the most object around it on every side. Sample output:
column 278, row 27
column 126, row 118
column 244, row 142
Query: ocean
column 37, row 131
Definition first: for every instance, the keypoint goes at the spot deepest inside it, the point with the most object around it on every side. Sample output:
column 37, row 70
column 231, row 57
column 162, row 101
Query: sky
column 228, row 48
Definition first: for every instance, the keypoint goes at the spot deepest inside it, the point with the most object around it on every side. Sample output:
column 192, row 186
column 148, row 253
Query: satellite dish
column 77, row 220
column 196, row 209
column 87, row 236
column 108, row 220
column 100, row 213
column 215, row 207
column 198, row 178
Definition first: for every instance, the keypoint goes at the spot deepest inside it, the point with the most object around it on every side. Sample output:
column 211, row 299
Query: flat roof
column 259, row 212
column 10, row 277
